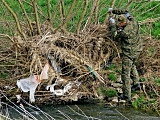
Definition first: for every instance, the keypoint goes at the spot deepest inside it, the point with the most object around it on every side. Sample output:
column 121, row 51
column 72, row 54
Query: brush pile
column 76, row 58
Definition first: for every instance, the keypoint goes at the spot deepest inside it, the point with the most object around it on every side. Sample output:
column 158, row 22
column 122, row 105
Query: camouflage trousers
column 129, row 74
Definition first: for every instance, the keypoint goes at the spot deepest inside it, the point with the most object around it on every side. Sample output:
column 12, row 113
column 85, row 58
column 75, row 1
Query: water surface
column 85, row 112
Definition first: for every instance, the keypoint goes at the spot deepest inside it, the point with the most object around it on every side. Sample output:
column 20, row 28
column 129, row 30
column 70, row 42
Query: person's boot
column 136, row 87
column 123, row 97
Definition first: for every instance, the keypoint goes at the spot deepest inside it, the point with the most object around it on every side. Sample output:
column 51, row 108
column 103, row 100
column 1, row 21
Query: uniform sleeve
column 121, row 36
column 112, row 29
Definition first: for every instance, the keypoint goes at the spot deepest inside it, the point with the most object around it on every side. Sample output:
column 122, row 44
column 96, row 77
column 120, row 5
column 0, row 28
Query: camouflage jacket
column 128, row 38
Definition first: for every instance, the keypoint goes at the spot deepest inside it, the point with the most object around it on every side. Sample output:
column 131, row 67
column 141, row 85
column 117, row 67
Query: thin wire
column 68, row 118
column 37, row 109
column 19, row 107
column 120, row 113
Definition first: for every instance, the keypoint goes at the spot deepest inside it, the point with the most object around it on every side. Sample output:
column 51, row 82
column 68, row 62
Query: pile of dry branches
column 72, row 57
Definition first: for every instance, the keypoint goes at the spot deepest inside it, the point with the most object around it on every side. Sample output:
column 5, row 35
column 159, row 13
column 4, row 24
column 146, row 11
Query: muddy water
column 87, row 112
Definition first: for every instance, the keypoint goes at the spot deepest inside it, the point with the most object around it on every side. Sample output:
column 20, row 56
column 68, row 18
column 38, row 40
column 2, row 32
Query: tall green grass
column 141, row 11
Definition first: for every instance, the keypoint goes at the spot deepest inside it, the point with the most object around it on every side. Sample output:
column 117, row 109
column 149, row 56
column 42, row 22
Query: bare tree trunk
column 96, row 11
column 69, row 13
column 34, row 2
column 68, row 17
column 40, row 12
column 15, row 17
column 54, row 13
column 28, row 20
column 82, row 16
column 49, row 10
column 91, row 13
column 62, row 11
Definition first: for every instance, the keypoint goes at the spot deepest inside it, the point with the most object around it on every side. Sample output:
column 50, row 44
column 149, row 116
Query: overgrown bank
column 79, row 57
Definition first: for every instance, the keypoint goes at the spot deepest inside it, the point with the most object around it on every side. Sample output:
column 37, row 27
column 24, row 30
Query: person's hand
column 128, row 16
column 111, row 20
column 119, row 30
column 110, row 10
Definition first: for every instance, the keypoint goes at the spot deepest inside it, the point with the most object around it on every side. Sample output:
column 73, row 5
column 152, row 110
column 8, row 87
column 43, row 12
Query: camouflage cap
column 121, row 18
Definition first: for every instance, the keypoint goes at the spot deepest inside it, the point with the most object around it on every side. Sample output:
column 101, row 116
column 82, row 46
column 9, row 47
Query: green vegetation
column 108, row 92
column 142, row 79
column 4, row 75
column 151, row 51
column 112, row 77
column 145, row 104
column 139, row 102
column 112, row 66
column 142, row 11
column 157, row 81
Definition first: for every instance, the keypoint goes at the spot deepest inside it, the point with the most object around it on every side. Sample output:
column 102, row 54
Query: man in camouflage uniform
column 125, row 31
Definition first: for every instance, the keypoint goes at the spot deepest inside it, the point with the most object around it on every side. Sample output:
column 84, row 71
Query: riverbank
column 88, row 76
